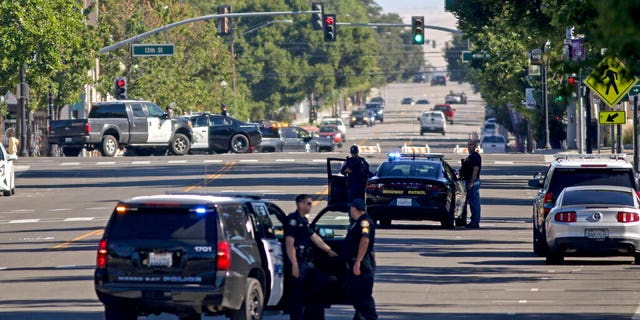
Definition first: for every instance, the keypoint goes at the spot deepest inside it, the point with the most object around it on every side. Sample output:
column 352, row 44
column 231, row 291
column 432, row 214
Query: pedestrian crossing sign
column 610, row 80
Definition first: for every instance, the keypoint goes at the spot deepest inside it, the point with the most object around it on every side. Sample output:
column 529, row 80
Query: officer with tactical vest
column 356, row 169
column 299, row 250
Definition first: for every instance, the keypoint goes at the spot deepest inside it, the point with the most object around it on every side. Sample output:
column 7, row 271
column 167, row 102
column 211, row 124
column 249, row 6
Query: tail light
column 548, row 199
column 223, row 261
column 569, row 216
column 626, row 217
column 101, row 259
column 87, row 127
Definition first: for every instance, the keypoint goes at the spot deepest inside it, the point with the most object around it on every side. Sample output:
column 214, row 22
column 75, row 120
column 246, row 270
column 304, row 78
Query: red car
column 448, row 111
column 332, row 131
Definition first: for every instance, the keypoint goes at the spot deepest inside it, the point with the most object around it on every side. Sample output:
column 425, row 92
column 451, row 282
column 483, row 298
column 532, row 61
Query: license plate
column 160, row 259
column 597, row 234
column 67, row 139
column 404, row 202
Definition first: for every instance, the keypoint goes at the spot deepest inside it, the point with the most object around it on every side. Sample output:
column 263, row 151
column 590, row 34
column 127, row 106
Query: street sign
column 610, row 80
column 466, row 56
column 148, row 50
column 635, row 90
column 612, row 117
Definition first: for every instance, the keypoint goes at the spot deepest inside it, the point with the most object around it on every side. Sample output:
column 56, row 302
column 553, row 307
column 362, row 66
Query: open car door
column 337, row 182
column 332, row 224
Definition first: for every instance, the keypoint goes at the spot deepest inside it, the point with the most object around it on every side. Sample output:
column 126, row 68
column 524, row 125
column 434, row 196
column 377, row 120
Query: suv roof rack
column 575, row 156
column 234, row 194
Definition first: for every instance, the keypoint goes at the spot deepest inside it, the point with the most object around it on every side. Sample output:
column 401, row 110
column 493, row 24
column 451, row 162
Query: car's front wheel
column 554, row 258
column 239, row 144
column 253, row 304
column 119, row 312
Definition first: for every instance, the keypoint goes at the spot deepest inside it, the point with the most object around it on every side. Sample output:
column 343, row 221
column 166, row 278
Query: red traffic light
column 328, row 21
column 120, row 83
column 571, row 81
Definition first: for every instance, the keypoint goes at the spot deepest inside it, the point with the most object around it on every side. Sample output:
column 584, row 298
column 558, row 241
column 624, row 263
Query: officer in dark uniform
column 299, row 265
column 358, row 252
column 356, row 169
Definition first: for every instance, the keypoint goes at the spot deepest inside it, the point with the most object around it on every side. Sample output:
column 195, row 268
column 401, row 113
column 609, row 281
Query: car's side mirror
column 418, row 118
column 537, row 181
column 12, row 157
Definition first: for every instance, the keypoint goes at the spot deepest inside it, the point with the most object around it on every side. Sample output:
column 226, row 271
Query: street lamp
column 545, row 65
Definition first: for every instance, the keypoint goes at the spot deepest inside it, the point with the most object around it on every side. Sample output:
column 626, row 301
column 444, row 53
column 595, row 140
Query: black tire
column 253, row 303
column 179, row 145
column 193, row 316
column 462, row 220
column 351, row 125
column 119, row 312
column 382, row 120
column 71, row 151
column 421, row 132
column 636, row 258
column 109, row 146
column 6, row 193
column 239, row 144
column 539, row 243
column 554, row 258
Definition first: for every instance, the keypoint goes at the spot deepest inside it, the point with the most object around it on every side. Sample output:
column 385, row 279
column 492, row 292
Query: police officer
column 356, row 169
column 361, row 260
column 298, row 239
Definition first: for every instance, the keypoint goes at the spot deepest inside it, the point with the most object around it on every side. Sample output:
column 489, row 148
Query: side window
column 448, row 172
column 547, row 178
column 217, row 121
column 154, row 111
column 202, row 121
column 261, row 222
column 332, row 225
column 235, row 221
column 302, row 134
column 138, row 112
column 115, row 110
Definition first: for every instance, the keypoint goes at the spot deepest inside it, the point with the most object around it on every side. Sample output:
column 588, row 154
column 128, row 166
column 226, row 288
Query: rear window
column 565, row 177
column 493, row 139
column 108, row 111
column 599, row 197
column 163, row 223
column 270, row 133
column 409, row 169
column 328, row 129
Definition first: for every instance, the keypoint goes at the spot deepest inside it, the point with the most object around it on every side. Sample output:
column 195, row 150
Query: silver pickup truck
column 140, row 126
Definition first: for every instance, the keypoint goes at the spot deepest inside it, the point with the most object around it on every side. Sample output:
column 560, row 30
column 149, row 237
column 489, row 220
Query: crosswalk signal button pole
column 417, row 30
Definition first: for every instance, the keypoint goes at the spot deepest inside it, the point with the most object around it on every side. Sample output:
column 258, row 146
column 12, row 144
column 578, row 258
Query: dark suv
column 190, row 255
column 376, row 108
column 574, row 170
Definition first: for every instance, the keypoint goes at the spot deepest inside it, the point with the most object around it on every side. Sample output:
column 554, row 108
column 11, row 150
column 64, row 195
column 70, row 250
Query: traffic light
column 572, row 80
column 417, row 30
column 224, row 24
column 120, row 87
column 316, row 18
column 329, row 27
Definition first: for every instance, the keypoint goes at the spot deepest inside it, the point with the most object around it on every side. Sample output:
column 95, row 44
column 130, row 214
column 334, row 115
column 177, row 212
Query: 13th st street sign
column 147, row 50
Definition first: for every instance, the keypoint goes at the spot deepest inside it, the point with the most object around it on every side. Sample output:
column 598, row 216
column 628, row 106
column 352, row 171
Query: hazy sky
column 434, row 14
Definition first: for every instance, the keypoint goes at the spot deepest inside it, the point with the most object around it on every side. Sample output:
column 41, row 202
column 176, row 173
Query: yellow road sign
column 610, row 80
column 612, row 117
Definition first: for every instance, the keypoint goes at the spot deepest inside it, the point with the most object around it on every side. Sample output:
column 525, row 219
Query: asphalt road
column 50, row 228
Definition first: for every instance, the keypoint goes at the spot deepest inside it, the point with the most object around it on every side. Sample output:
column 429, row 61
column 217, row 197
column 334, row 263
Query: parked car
column 596, row 220
column 419, row 77
column 140, row 126
column 407, row 100
column 449, row 112
column 379, row 100
column 432, row 121
column 422, row 101
column 216, row 133
column 279, row 139
column 377, row 110
column 438, row 80
column 361, row 116
column 574, row 170
column 7, row 172
column 407, row 187
column 334, row 120
column 493, row 144
column 332, row 132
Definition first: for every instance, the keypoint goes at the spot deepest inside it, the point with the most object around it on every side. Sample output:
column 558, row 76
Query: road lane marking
column 105, row 163
column 78, row 219
column 248, row 160
column 140, row 162
column 212, row 161
column 319, row 160
column 177, row 161
column 503, row 162
column 70, row 163
column 61, row 209
column 24, row 221
column 66, row 244
column 285, row 160
column 227, row 166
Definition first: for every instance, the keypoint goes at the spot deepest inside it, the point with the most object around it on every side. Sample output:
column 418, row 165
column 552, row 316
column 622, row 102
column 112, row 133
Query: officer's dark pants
column 362, row 292
column 298, row 287
column 355, row 192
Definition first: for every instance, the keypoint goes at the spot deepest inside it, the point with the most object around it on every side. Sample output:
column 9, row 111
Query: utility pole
column 24, row 94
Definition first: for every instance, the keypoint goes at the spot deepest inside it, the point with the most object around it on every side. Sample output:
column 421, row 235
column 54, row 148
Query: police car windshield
column 427, row 170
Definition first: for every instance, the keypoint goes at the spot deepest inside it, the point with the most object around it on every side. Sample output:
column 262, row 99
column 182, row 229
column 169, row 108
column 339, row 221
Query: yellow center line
column 323, row 193
column 66, row 244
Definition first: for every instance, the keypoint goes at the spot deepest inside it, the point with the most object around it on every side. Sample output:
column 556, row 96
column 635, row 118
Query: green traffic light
column 417, row 38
